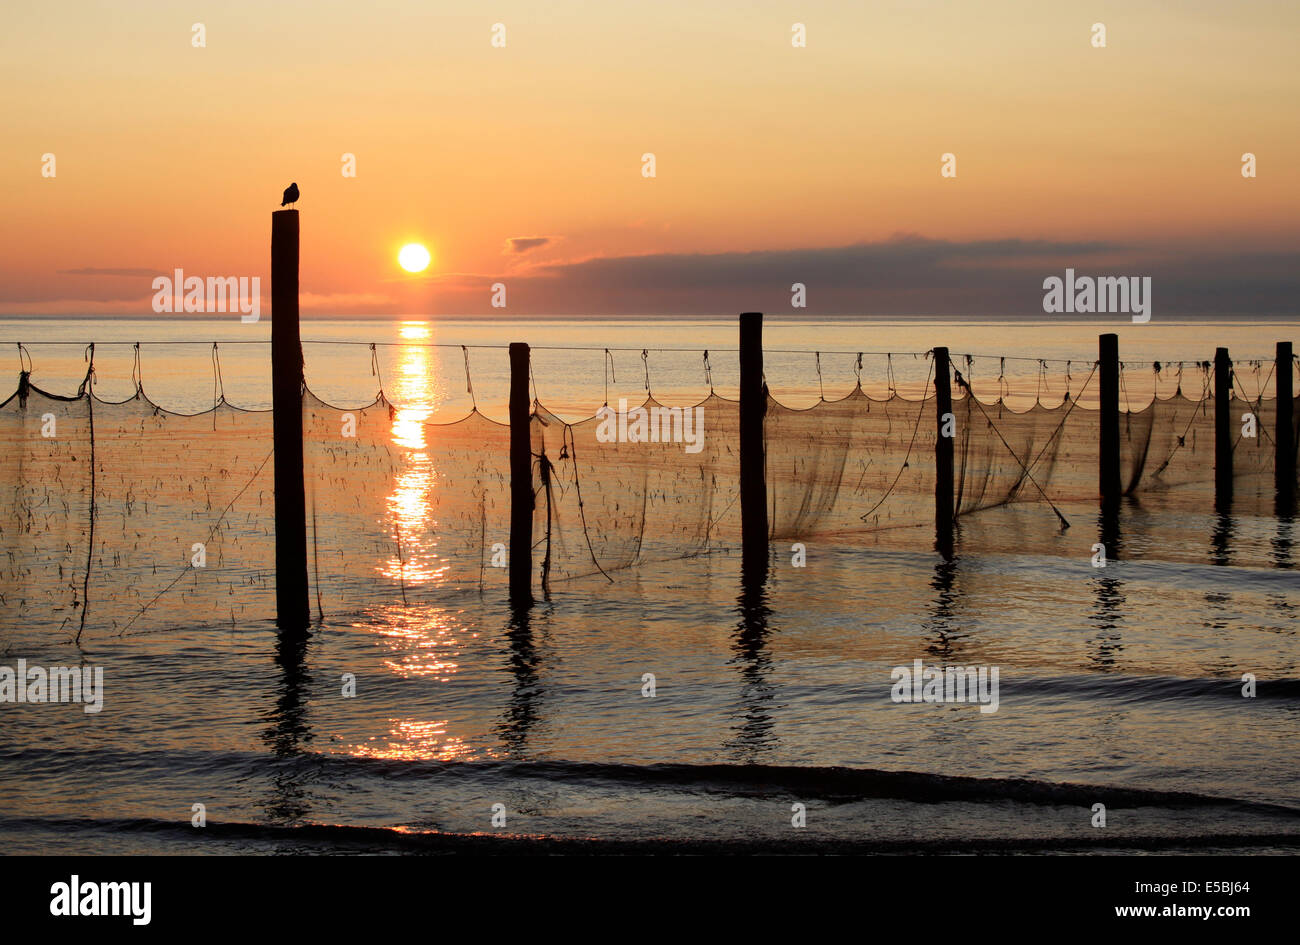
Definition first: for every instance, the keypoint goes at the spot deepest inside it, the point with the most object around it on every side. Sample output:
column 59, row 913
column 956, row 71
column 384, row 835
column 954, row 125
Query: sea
column 1150, row 707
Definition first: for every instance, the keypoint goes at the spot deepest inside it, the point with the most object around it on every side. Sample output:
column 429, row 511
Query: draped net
column 124, row 518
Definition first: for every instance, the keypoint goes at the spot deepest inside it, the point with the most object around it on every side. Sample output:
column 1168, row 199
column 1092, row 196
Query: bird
column 290, row 195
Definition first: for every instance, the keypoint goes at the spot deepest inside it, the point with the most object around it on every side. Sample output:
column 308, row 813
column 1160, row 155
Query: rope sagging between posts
column 961, row 382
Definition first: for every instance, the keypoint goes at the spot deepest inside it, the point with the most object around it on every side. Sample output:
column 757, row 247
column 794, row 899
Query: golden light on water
column 411, row 506
column 416, row 740
column 425, row 643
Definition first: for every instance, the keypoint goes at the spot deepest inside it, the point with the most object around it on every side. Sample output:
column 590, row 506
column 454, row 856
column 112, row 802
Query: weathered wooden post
column 1108, row 373
column 943, row 452
column 521, row 480
column 292, row 609
column 1222, row 429
column 1284, row 436
column 753, row 472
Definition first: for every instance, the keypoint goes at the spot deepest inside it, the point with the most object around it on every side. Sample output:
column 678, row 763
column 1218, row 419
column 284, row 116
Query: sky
column 523, row 164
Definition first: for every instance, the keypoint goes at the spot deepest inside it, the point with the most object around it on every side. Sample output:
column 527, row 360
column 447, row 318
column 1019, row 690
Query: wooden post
column 292, row 609
column 943, row 451
column 1108, row 372
column 1284, row 436
column 753, row 472
column 1222, row 429
column 521, row 480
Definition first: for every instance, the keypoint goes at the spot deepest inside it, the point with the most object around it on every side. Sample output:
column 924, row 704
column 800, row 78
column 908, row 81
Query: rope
column 401, row 561
column 908, row 456
column 137, row 370
column 190, row 565
column 1025, row 469
column 1128, row 407
column 820, row 386
column 544, row 469
column 708, row 374
column 482, row 538
column 1060, row 426
column 218, row 385
column 469, row 384
column 609, row 373
column 90, row 536
column 374, row 369
column 1256, row 404
column 1182, row 440
column 645, row 359
column 571, row 450
column 315, row 551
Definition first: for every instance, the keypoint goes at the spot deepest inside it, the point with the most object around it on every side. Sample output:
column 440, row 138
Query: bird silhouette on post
column 290, row 195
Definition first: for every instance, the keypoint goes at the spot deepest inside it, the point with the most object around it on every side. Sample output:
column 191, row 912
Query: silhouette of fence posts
column 753, row 473
column 521, row 479
column 1222, row 429
column 943, row 452
column 1284, row 435
column 291, row 606
column 1111, row 487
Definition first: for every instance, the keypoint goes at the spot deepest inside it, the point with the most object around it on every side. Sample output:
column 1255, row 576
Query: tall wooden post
column 1108, row 372
column 292, row 609
column 521, row 480
column 1222, row 429
column 753, row 471
column 943, row 451
column 1284, row 436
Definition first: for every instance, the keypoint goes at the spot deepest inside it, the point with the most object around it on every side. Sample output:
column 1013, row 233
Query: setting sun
column 413, row 257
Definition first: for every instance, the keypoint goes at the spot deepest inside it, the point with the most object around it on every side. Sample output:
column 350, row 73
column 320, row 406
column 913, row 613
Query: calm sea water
column 1120, row 687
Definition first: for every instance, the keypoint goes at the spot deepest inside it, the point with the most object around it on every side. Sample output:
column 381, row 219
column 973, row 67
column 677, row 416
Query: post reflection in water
column 1225, row 529
column 1280, row 551
column 1282, row 542
column 752, row 730
column 522, row 663
column 288, row 732
column 946, row 636
column 410, row 506
column 1107, row 641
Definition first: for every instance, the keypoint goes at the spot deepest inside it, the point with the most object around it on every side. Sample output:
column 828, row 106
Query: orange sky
column 173, row 156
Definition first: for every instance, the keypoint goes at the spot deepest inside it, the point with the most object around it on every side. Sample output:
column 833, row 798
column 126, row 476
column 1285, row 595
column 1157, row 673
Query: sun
column 414, row 258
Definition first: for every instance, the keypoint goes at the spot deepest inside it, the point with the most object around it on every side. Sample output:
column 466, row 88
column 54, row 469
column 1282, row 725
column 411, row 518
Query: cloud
column 91, row 271
column 905, row 275
column 523, row 244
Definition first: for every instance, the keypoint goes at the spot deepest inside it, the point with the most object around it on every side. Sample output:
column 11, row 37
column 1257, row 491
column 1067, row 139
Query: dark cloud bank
column 909, row 276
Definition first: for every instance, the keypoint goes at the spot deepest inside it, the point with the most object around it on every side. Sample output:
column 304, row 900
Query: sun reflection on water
column 416, row 740
column 411, row 504
column 424, row 643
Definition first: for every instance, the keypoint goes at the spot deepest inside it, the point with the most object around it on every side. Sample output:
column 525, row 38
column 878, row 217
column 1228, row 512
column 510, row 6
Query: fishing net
column 125, row 518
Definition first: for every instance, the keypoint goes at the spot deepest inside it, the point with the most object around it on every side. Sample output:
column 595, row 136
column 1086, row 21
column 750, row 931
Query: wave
column 238, row 836
column 834, row 784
